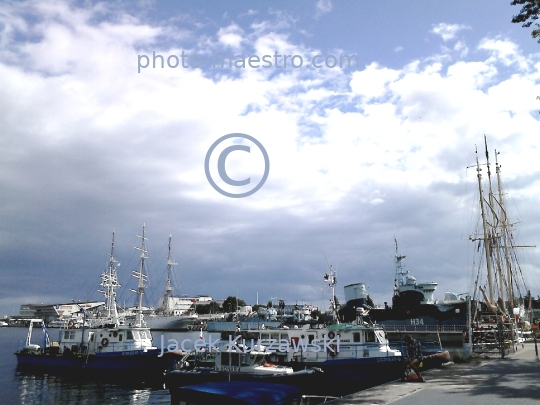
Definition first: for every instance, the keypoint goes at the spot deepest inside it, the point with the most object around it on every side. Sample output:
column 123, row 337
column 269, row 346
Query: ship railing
column 372, row 349
column 358, row 350
column 424, row 328
column 121, row 346
column 316, row 399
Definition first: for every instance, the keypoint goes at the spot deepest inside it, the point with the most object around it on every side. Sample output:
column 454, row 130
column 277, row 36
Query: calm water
column 17, row 388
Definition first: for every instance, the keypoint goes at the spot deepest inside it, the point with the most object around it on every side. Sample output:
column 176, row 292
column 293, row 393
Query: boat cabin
column 108, row 339
column 253, row 362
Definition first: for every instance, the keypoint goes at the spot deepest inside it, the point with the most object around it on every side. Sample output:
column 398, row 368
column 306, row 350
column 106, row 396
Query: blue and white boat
column 110, row 343
column 355, row 353
column 235, row 363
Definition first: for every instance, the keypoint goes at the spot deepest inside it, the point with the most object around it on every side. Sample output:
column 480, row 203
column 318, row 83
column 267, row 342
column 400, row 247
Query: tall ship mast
column 168, row 288
column 503, row 296
column 173, row 313
column 142, row 277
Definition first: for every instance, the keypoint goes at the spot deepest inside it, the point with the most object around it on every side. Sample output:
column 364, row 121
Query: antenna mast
column 109, row 280
column 330, row 278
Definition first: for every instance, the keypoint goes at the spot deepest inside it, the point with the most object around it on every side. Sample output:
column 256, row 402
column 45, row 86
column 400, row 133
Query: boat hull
column 145, row 366
column 177, row 379
column 169, row 322
column 361, row 372
column 421, row 315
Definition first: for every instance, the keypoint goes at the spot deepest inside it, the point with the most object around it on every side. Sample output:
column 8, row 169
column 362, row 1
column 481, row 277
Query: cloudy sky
column 93, row 138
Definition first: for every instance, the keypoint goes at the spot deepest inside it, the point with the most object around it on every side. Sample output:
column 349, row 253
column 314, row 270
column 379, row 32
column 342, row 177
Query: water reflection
column 44, row 389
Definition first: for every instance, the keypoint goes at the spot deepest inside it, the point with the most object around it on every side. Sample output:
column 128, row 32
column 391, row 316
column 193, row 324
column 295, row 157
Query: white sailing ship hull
column 173, row 322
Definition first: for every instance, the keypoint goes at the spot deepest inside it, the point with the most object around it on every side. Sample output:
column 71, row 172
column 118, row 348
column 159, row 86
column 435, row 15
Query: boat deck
column 493, row 381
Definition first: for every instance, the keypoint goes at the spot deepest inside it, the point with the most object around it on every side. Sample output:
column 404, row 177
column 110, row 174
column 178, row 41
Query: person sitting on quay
column 414, row 357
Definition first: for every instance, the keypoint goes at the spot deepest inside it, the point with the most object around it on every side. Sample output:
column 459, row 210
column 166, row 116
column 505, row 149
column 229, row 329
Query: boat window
column 129, row 335
column 245, row 359
column 120, row 337
column 143, row 334
column 275, row 336
column 370, row 336
column 310, row 338
column 356, row 337
column 69, row 334
column 380, row 336
column 136, row 335
column 230, row 359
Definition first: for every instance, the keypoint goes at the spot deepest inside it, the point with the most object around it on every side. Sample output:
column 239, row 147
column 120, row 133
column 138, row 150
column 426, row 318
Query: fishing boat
column 233, row 363
column 173, row 313
column 354, row 353
column 109, row 344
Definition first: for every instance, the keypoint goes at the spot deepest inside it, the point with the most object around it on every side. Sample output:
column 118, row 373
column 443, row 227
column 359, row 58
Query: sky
column 369, row 112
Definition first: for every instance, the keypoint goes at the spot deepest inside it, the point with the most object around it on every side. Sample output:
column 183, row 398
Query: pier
column 485, row 380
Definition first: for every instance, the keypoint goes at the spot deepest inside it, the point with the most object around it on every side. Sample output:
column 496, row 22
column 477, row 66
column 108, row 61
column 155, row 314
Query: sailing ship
column 173, row 313
column 498, row 312
column 109, row 344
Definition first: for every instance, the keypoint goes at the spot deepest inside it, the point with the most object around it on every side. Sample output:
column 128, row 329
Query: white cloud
column 372, row 82
column 97, row 143
column 231, row 36
column 505, row 52
column 448, row 31
column 323, row 7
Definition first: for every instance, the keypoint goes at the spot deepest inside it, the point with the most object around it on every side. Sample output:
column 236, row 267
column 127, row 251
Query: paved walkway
column 514, row 380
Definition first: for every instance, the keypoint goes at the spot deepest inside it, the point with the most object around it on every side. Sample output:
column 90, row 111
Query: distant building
column 51, row 312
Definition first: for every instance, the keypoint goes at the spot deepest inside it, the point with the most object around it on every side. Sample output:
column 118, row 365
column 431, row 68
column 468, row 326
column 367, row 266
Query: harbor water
column 18, row 388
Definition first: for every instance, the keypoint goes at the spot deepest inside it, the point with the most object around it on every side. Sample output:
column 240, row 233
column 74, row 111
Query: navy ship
column 413, row 304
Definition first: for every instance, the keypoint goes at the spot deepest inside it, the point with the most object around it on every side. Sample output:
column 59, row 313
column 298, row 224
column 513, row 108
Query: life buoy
column 332, row 350
column 331, row 335
column 104, row 342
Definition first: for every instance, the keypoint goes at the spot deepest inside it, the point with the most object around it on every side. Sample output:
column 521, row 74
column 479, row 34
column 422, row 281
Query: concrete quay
column 487, row 380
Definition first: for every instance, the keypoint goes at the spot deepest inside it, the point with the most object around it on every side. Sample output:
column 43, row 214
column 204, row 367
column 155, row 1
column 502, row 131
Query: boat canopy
column 239, row 393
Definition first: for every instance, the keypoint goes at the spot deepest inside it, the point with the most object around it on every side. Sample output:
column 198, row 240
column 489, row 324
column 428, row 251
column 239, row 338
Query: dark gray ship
column 413, row 304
